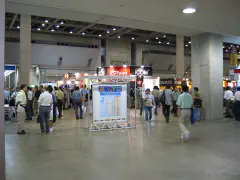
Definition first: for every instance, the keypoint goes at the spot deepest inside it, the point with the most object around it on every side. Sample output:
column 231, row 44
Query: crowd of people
column 182, row 102
column 45, row 103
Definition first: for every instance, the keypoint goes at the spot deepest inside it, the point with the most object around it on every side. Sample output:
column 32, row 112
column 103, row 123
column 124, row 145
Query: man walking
column 60, row 98
column 148, row 104
column 29, row 104
column 227, row 98
column 77, row 98
column 167, row 93
column 175, row 95
column 21, row 102
column 156, row 94
column 36, row 96
column 185, row 103
column 45, row 103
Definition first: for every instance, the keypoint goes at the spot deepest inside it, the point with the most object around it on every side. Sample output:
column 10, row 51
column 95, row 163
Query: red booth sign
column 118, row 71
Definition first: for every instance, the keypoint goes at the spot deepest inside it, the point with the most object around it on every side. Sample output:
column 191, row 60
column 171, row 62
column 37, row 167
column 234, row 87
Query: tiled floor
column 151, row 151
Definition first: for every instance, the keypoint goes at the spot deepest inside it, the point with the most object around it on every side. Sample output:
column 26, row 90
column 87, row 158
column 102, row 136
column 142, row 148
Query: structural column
column 207, row 73
column 25, row 49
column 133, row 54
column 103, row 52
column 2, row 134
column 180, row 65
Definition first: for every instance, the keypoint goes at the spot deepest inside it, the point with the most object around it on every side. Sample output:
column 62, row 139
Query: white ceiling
column 217, row 16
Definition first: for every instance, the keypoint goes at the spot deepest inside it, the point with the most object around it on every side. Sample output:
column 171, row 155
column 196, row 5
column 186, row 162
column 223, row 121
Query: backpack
column 162, row 98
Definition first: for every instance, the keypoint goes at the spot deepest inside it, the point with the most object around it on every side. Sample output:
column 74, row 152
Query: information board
column 109, row 103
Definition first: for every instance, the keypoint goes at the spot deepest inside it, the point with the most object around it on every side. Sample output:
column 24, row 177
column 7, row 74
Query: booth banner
column 109, row 103
column 138, row 71
column 167, row 82
column 118, row 71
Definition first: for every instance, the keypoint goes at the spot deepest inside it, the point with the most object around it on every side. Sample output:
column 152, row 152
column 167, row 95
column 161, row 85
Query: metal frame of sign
column 113, row 124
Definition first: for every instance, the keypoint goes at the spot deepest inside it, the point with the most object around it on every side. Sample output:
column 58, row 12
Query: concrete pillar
column 180, row 70
column 133, row 54
column 2, row 134
column 25, row 49
column 207, row 73
column 103, row 52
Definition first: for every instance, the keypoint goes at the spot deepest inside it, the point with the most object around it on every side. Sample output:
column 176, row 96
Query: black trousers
column 166, row 111
column 54, row 112
column 60, row 107
column 29, row 110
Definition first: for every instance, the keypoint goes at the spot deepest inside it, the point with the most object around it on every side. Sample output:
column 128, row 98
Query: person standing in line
column 227, row 97
column 29, row 104
column 45, row 102
column 21, row 102
column 196, row 95
column 185, row 103
column 142, row 95
column 167, row 93
column 77, row 98
column 149, row 102
column 236, row 106
column 55, row 105
column 156, row 95
column 6, row 95
column 36, row 96
column 175, row 95
column 50, row 90
column 132, row 98
column 60, row 98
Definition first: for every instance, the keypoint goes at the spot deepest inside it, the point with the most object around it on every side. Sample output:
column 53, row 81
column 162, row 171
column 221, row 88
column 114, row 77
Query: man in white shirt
column 45, row 102
column 29, row 104
column 236, row 107
column 237, row 94
column 227, row 98
column 21, row 102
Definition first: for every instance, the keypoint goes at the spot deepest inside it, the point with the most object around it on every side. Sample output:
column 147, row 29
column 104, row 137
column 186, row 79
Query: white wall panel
column 48, row 55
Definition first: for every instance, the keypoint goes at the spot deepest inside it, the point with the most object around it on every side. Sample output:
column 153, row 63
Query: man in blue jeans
column 77, row 98
column 149, row 102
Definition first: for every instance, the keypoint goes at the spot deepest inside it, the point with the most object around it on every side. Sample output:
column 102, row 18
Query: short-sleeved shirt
column 59, row 94
column 228, row 94
column 77, row 95
column 21, row 97
column 237, row 96
column 197, row 94
column 156, row 93
column 185, row 101
column 149, row 99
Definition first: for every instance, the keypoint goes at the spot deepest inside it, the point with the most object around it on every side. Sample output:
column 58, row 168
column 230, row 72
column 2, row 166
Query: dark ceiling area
column 94, row 30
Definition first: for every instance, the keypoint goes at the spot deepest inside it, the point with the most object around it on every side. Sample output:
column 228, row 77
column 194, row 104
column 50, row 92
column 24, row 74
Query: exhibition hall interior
column 119, row 90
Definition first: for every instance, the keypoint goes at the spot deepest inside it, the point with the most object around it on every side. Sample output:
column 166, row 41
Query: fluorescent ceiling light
column 164, row 36
column 119, row 37
column 186, row 45
column 159, row 42
column 43, row 24
column 52, row 30
column 146, row 40
column 83, row 33
column 114, row 29
column 156, row 37
column 133, row 38
column 108, row 32
column 100, row 35
column 46, row 21
column 62, row 22
column 189, row 42
column 70, row 32
column 57, row 26
column 189, row 10
column 18, row 27
column 38, row 29
column 168, row 43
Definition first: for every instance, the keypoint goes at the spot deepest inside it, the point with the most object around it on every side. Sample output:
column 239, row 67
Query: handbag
column 198, row 102
column 162, row 98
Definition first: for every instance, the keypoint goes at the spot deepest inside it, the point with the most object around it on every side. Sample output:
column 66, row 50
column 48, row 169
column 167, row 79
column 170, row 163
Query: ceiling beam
column 13, row 21
column 90, row 25
column 50, row 25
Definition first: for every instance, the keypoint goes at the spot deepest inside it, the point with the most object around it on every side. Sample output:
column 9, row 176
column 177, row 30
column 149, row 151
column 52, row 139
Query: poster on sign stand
column 109, row 103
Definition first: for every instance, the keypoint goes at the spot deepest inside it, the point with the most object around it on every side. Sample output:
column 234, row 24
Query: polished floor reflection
column 151, row 151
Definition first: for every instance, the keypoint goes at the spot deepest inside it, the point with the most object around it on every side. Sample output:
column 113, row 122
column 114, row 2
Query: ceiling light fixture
column 159, row 42
column 114, row 29
column 62, row 22
column 189, row 42
column 119, row 37
column 43, row 24
column 108, row 31
column 189, row 10
column 226, row 50
column 52, row 30
column 231, row 45
column 83, row 33
column 100, row 35
column 57, row 26
column 237, row 46
column 223, row 47
column 164, row 36
column 46, row 21
column 70, row 32
column 18, row 27
column 147, row 40
column 156, row 37
column 186, row 45
column 38, row 29
column 133, row 38
column 168, row 42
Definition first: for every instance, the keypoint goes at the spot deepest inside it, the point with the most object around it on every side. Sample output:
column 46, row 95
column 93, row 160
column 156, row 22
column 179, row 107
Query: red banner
column 118, row 71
